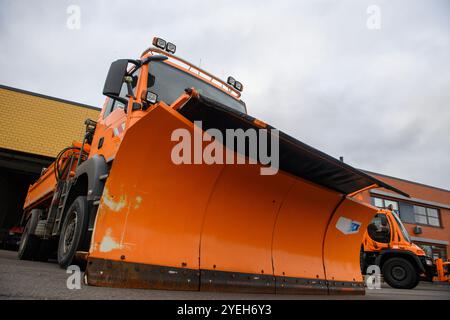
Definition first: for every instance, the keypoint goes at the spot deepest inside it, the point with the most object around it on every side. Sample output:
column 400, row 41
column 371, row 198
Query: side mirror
column 115, row 78
column 118, row 71
column 118, row 74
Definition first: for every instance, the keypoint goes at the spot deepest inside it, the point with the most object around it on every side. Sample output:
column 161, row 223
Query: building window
column 384, row 204
column 428, row 216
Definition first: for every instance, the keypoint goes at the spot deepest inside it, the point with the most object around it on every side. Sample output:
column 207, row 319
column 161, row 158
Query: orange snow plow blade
column 226, row 227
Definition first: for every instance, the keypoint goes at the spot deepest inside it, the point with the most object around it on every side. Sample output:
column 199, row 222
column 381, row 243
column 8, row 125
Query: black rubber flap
column 295, row 157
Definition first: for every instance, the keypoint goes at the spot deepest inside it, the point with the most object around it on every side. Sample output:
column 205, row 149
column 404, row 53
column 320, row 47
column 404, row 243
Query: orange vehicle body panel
column 44, row 188
column 300, row 230
column 341, row 256
column 237, row 232
column 169, row 218
column 105, row 129
column 38, row 192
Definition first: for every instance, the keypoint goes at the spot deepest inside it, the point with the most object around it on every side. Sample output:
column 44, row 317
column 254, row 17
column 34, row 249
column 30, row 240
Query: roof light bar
column 235, row 84
column 171, row 48
column 164, row 45
column 231, row 81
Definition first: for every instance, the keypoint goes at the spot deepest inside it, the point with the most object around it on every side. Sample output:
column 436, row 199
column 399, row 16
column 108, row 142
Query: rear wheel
column 29, row 243
column 73, row 231
column 400, row 273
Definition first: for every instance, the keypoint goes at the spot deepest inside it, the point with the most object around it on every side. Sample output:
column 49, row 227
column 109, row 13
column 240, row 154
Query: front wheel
column 400, row 273
column 73, row 231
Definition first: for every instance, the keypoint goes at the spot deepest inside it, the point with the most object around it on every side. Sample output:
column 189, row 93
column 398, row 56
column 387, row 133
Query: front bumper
column 429, row 267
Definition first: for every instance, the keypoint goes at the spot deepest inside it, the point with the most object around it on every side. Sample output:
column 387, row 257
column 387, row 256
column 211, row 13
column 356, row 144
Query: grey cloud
column 311, row 68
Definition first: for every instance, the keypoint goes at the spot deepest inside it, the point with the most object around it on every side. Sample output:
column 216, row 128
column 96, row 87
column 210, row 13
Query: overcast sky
column 380, row 97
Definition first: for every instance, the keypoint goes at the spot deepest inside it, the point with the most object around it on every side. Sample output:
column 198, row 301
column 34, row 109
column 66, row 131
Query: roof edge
column 78, row 104
column 410, row 199
column 405, row 180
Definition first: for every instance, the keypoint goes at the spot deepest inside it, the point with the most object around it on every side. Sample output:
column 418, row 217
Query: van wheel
column 29, row 243
column 400, row 273
column 73, row 231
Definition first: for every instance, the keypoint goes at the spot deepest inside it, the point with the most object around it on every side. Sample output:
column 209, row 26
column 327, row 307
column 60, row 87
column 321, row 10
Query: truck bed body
column 44, row 188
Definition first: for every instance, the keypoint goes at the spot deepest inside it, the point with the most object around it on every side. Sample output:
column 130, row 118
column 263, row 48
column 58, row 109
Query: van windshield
column 401, row 227
column 169, row 83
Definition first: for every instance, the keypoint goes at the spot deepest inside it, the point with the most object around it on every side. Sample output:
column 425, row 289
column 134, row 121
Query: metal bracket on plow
column 110, row 273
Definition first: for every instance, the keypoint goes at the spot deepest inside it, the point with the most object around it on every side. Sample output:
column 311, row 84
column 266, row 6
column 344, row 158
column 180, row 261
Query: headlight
column 238, row 86
column 429, row 262
column 159, row 43
column 152, row 97
column 231, row 81
column 171, row 48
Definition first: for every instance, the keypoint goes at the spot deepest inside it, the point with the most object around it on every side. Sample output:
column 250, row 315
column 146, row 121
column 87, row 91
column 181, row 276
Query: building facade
column 426, row 214
column 33, row 129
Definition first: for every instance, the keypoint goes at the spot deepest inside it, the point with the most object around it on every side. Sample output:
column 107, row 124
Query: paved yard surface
column 38, row 280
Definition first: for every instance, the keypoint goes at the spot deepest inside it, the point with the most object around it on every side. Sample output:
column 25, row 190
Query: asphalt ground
column 46, row 280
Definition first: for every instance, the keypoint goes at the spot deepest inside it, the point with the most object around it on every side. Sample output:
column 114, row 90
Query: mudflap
column 219, row 227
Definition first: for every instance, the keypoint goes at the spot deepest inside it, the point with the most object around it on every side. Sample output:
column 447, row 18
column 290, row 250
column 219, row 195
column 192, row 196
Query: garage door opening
column 17, row 171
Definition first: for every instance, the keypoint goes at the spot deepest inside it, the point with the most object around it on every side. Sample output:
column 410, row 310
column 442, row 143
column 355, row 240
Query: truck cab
column 158, row 77
column 387, row 244
column 61, row 206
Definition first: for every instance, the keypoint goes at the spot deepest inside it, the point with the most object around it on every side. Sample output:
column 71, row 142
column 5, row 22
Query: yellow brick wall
column 39, row 125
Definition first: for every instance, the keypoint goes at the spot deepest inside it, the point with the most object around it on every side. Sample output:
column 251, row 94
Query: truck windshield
column 169, row 83
column 401, row 227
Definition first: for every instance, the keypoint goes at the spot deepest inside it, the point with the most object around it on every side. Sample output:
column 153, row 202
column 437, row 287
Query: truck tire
column 29, row 243
column 400, row 273
column 73, row 231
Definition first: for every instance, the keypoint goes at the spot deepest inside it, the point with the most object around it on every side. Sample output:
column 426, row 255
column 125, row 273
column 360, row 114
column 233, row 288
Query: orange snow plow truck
column 388, row 245
column 139, row 219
